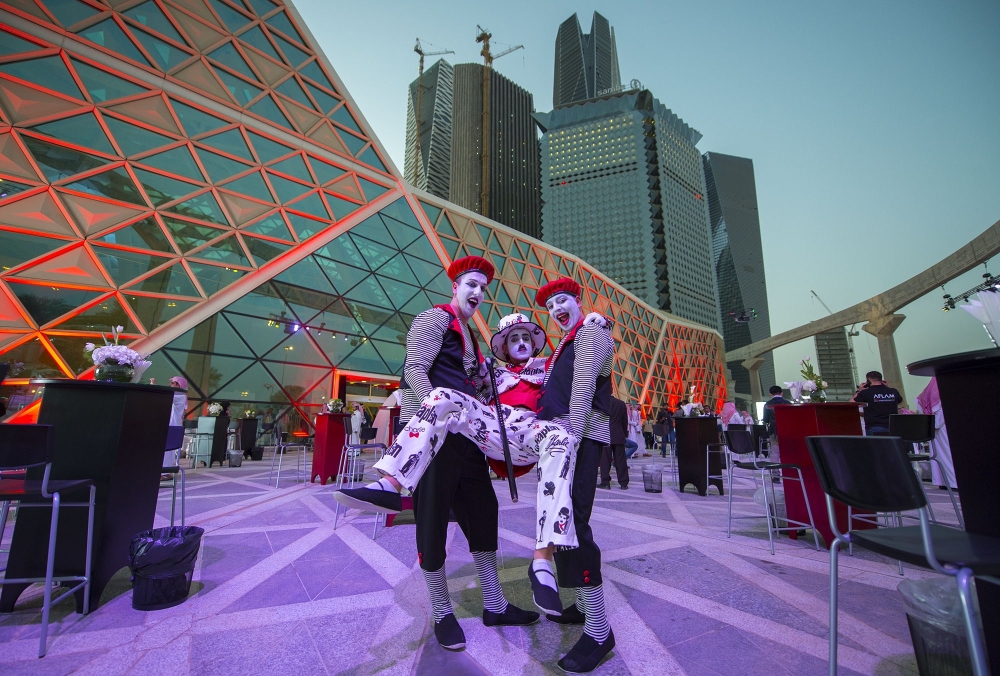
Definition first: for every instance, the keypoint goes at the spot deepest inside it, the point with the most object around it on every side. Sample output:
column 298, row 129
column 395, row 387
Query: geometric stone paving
column 277, row 589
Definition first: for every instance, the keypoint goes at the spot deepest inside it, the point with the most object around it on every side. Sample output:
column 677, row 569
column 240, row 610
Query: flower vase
column 112, row 371
column 796, row 393
column 817, row 397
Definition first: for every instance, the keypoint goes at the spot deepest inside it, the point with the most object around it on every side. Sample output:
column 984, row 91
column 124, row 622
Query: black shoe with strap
column 570, row 615
column 545, row 597
column 511, row 617
column 370, row 500
column 449, row 634
column 586, row 654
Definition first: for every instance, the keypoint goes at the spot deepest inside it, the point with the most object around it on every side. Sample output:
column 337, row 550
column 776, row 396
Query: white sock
column 382, row 484
column 544, row 573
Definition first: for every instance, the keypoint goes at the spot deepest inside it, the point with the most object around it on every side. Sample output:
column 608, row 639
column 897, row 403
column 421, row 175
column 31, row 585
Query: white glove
column 597, row 319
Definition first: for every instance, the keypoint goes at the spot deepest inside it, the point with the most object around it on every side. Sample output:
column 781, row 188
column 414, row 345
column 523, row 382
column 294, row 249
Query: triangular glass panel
column 394, row 330
column 148, row 14
column 268, row 71
column 399, row 210
column 295, row 167
column 162, row 189
column 285, row 189
column 155, row 312
column 99, row 318
column 173, row 280
column 373, row 228
column 220, row 168
column 19, row 248
column 202, row 36
column 225, row 372
column 293, row 54
column 353, row 143
column 242, row 91
column 297, row 381
column 430, row 210
column 424, row 270
column 269, row 110
column 124, row 266
column 133, row 139
column 243, row 209
column 166, row 56
column 344, row 276
column 177, row 161
column 253, row 384
column 293, row 90
column 58, row 162
column 312, row 71
column 325, row 101
column 81, row 130
column 104, row 86
column 233, row 20
column 264, row 250
column 72, row 350
column 70, row 12
column 311, row 205
column 195, row 121
column 281, row 22
column 342, row 249
column 366, row 358
column 227, row 55
column 108, row 35
column 343, row 116
column 36, row 360
column 37, row 212
column 214, row 279
column 255, row 38
column 11, row 44
column 451, row 247
column 268, row 150
column 190, row 235
column 13, row 161
column 445, row 227
column 116, row 184
column 11, row 188
column 203, row 206
column 375, row 254
column 231, row 142
column 263, row 302
column 397, row 292
column 225, row 251
column 251, row 184
column 49, row 72
column 307, row 274
column 325, row 136
column 325, row 171
column 341, row 208
column 416, row 305
column 393, row 353
column 305, row 227
column 261, row 7
column 271, row 226
column 144, row 234
column 369, row 291
column 45, row 303
column 347, row 187
column 402, row 235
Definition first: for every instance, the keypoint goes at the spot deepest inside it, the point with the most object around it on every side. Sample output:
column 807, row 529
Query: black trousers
column 581, row 567
column 457, row 481
column 614, row 452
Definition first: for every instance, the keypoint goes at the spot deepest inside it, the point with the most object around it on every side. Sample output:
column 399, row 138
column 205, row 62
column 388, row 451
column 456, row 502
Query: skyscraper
column 738, row 259
column 586, row 63
column 434, row 160
column 623, row 188
column 451, row 144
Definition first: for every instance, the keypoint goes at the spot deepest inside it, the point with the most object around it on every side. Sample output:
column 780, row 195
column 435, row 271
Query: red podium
column 331, row 437
column 795, row 423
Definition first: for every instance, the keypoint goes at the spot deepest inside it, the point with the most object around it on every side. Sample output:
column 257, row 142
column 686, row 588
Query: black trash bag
column 162, row 562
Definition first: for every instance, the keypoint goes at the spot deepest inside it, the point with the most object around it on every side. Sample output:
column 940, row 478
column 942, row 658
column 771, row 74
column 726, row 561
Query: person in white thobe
column 635, row 429
column 930, row 404
column 357, row 420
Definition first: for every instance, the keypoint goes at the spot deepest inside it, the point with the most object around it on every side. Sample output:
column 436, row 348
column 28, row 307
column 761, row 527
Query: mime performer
column 577, row 395
column 442, row 352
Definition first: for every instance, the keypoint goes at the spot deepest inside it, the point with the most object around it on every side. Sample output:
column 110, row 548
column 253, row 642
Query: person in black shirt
column 770, row 422
column 882, row 401
column 616, row 450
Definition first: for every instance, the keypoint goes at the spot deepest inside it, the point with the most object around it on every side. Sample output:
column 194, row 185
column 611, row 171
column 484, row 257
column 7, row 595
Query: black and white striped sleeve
column 594, row 351
column 423, row 343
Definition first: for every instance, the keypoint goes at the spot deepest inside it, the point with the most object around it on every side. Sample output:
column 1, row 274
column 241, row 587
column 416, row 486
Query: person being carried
column 517, row 343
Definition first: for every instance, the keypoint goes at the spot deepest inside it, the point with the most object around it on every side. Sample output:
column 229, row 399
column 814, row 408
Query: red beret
column 471, row 264
column 561, row 285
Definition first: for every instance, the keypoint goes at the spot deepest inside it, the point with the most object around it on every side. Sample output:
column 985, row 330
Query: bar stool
column 661, row 431
column 175, row 439
column 919, row 429
column 740, row 444
column 282, row 447
column 347, row 473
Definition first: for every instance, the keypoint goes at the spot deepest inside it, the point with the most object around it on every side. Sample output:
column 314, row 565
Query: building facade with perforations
column 586, row 64
column 623, row 188
column 195, row 172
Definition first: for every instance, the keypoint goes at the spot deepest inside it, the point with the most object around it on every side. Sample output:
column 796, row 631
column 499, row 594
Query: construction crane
column 483, row 35
column 851, row 333
column 418, row 48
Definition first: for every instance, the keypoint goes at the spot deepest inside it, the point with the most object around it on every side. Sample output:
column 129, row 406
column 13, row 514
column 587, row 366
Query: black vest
column 557, row 391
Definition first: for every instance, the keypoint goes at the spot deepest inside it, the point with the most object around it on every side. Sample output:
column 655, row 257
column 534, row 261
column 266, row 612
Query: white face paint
column 565, row 309
column 519, row 345
column 467, row 293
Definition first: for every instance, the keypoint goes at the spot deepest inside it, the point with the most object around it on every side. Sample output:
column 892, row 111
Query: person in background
column 930, row 404
column 635, row 429
column 770, row 422
column 882, row 401
column 730, row 415
column 747, row 418
column 615, row 451
column 666, row 418
column 357, row 420
column 177, row 410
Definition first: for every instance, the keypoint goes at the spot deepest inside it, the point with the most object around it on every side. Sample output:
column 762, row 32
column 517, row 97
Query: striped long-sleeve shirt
column 423, row 343
column 594, row 349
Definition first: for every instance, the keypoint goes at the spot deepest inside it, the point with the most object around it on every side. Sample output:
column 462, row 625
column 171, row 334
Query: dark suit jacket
column 769, row 420
column 619, row 422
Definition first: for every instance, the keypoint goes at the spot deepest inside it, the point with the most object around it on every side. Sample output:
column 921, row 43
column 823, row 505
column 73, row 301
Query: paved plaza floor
column 279, row 590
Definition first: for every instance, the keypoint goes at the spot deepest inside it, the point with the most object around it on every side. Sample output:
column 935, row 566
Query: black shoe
column 512, row 617
column 606, row 484
column 570, row 615
column 586, row 654
column 449, row 634
column 624, row 488
column 544, row 596
column 370, row 500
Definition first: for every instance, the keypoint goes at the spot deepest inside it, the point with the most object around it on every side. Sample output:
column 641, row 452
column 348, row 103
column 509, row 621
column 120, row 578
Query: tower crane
column 483, row 35
column 850, row 339
column 418, row 48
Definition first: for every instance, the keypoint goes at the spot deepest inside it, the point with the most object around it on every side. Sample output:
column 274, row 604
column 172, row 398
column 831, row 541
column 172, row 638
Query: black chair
column 740, row 445
column 175, row 439
column 29, row 448
column 920, row 429
column 874, row 474
column 759, row 433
